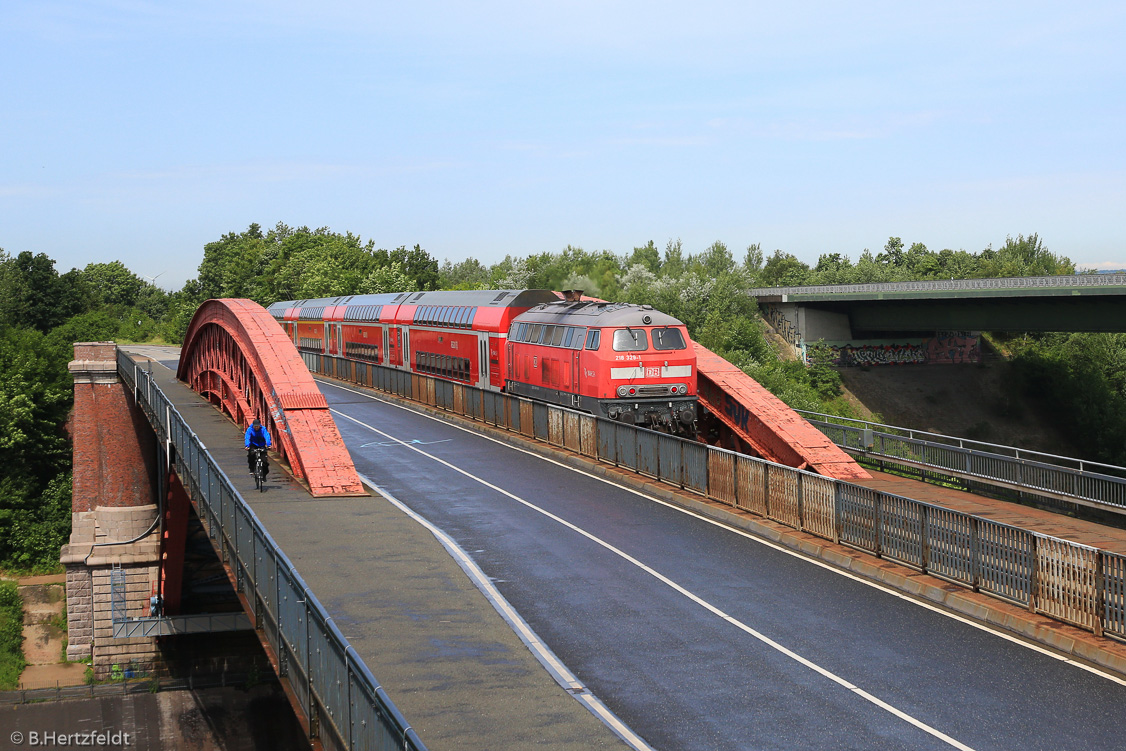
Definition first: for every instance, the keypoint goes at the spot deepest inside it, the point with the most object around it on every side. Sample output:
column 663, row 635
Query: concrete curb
column 1082, row 646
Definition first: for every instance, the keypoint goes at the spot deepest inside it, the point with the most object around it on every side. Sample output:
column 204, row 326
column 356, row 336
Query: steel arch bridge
column 238, row 356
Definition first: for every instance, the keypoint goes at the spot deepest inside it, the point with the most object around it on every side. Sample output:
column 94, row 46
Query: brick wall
column 114, row 445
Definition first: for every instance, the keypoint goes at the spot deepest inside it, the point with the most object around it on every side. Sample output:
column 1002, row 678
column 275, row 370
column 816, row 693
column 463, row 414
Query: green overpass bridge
column 922, row 321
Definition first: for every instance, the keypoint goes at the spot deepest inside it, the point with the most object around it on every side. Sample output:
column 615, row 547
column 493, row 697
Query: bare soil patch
column 980, row 402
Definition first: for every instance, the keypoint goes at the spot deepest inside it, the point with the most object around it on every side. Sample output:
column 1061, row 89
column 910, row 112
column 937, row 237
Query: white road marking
column 686, row 593
column 562, row 675
column 762, row 541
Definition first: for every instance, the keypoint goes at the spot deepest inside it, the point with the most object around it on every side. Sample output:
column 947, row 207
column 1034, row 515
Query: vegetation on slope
column 43, row 312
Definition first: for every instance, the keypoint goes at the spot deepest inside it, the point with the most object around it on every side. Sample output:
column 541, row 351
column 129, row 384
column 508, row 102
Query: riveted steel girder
column 238, row 356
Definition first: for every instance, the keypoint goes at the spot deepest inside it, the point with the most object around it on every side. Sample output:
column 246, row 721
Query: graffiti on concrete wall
column 954, row 347
column 943, row 348
column 786, row 329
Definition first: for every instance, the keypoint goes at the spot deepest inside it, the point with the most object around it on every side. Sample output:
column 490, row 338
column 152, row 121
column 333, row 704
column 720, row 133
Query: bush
column 12, row 661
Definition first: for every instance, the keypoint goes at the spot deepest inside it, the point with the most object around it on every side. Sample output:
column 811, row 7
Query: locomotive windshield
column 668, row 339
column 630, row 340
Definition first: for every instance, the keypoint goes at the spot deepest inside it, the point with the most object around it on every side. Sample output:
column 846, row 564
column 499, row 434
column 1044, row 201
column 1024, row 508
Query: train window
column 668, row 339
column 592, row 338
column 534, row 331
column 448, row 314
column 568, row 332
column 577, row 339
column 557, row 335
column 467, row 317
column 521, row 329
column 630, row 340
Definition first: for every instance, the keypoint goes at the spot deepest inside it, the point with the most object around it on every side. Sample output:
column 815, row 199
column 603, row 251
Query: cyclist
column 256, row 437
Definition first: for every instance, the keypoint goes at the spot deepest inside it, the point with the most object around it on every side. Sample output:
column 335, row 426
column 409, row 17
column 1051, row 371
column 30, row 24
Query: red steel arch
column 237, row 355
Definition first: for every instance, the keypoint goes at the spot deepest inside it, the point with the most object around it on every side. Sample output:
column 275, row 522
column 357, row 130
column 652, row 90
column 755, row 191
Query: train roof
column 491, row 298
column 597, row 314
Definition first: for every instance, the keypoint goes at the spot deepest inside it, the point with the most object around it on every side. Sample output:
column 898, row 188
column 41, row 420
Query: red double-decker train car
column 616, row 360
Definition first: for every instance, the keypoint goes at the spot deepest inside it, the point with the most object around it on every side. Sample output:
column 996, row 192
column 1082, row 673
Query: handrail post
column 1100, row 593
column 924, row 537
column 879, row 525
column 975, row 554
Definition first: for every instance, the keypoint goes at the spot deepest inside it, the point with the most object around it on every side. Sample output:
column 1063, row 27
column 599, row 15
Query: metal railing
column 1074, row 583
column 346, row 707
column 1087, row 483
column 940, row 285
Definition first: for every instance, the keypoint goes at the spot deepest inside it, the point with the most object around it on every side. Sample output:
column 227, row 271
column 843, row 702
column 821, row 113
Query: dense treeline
column 42, row 312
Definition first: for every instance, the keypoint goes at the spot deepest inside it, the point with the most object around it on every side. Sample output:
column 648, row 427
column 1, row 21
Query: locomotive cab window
column 668, row 339
column 592, row 338
column 630, row 340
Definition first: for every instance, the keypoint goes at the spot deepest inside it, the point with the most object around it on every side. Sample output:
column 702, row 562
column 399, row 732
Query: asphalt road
column 700, row 637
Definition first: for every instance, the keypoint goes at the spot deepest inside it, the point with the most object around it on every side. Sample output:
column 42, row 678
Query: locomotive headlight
column 673, row 389
column 621, row 391
column 632, row 391
column 684, row 389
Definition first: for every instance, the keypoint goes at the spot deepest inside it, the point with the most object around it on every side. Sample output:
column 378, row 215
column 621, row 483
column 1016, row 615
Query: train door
column 339, row 341
column 574, row 378
column 406, row 334
column 483, row 360
column 386, row 353
column 327, row 343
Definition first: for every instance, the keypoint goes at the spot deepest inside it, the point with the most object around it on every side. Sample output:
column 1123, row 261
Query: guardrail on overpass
column 1101, row 486
column 346, row 707
column 1074, row 583
column 949, row 285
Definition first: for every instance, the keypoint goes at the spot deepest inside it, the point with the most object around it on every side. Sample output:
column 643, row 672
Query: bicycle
column 260, row 468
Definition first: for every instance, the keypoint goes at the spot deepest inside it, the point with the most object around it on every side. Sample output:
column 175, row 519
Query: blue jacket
column 260, row 437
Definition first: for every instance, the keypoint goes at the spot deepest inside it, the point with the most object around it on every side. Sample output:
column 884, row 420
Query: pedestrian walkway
column 450, row 663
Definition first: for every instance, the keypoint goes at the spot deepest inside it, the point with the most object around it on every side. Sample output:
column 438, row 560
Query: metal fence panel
column 1005, row 560
column 648, row 453
column 588, row 435
column 539, row 420
column 857, row 513
column 607, row 440
column 818, row 495
column 721, row 475
column 950, row 544
column 489, row 408
column 750, row 484
column 1066, row 582
column 291, row 615
column 627, row 446
column 695, row 460
column 572, row 431
column 555, row 426
column 527, row 419
column 901, row 529
column 785, row 495
column 671, row 459
column 1114, row 593
column 326, row 668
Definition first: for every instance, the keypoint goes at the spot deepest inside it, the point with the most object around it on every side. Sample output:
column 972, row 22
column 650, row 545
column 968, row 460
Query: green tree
column 784, row 270
column 646, row 256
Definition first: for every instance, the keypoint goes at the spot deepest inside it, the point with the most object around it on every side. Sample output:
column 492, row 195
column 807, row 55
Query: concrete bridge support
column 114, row 514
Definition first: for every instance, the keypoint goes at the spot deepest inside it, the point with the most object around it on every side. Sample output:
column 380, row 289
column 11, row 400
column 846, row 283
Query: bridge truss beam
column 238, row 356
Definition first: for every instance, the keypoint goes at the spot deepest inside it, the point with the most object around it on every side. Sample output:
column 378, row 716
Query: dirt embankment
column 980, row 402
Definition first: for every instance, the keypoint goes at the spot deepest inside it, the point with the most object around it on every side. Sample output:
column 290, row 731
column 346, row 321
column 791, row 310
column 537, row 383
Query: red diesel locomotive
column 616, row 360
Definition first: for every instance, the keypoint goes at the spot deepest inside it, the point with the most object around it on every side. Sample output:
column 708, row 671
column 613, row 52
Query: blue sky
column 139, row 131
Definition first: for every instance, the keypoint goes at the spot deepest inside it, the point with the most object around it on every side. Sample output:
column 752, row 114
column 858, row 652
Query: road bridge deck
column 682, row 675
column 447, row 659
